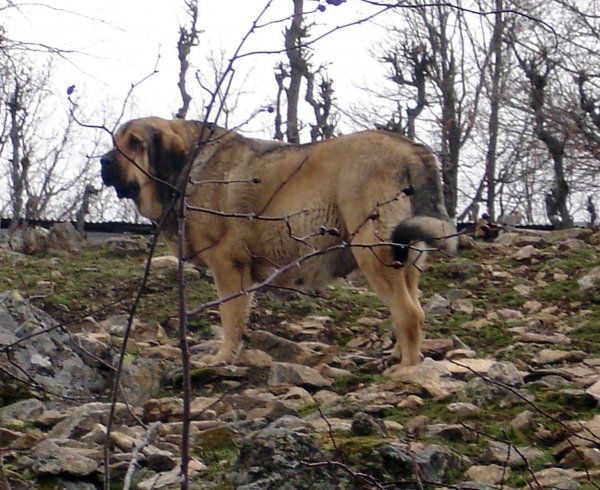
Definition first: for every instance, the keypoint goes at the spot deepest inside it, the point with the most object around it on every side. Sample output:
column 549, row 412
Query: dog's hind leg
column 397, row 288
column 232, row 279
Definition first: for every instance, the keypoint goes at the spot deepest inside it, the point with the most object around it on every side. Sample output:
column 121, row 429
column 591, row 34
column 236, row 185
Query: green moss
column 351, row 383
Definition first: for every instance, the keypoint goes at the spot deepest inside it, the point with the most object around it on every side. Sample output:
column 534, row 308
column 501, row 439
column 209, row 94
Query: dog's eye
column 135, row 143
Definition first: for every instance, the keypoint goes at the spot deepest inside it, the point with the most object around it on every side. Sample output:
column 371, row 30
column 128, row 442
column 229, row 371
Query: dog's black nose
column 106, row 160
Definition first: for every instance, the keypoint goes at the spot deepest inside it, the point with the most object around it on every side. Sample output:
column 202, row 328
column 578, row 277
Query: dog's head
column 145, row 162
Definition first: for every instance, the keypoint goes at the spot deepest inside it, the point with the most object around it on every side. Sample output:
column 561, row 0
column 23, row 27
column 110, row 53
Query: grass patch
column 351, row 383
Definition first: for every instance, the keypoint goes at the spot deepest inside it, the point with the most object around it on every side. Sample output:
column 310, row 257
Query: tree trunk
column 293, row 37
column 18, row 168
column 493, row 126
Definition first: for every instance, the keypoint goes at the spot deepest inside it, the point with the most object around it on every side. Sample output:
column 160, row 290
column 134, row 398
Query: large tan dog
column 297, row 216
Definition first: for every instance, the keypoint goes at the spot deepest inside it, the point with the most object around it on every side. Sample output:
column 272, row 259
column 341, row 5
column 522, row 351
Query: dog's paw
column 218, row 359
column 400, row 372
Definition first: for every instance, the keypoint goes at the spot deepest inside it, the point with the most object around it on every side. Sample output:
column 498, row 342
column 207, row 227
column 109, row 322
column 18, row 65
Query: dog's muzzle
column 113, row 175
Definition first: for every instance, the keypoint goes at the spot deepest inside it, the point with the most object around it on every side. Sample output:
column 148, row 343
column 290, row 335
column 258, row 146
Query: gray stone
column 502, row 453
column 25, row 410
column 270, row 459
column 45, row 351
column 590, row 279
column 50, row 458
column 436, row 305
column 84, row 418
column 557, row 478
column 127, row 246
column 280, row 349
column 433, row 461
column 64, row 236
column 365, row 425
column 463, row 408
column 282, row 373
column 551, row 356
column 594, row 390
column 505, row 373
column 158, row 459
column 523, row 420
column 491, row 473
column 526, row 253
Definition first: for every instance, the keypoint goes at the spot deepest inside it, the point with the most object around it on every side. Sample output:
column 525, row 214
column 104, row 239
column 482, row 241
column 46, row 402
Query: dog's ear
column 167, row 153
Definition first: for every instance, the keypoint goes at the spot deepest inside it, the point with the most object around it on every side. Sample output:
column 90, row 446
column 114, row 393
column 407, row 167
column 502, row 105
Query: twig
column 146, row 440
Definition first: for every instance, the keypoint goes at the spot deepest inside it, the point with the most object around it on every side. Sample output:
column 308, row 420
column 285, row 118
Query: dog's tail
column 435, row 233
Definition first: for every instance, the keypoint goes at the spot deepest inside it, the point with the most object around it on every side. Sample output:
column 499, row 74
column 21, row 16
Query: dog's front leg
column 232, row 279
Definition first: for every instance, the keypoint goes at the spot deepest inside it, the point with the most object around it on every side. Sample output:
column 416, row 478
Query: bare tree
column 289, row 78
column 188, row 39
column 431, row 55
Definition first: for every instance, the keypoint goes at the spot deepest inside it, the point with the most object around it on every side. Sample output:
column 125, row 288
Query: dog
column 291, row 216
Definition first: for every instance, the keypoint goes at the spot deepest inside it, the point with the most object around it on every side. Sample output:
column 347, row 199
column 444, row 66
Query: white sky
column 119, row 42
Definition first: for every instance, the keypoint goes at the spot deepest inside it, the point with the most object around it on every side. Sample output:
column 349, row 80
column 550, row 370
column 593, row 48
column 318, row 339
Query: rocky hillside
column 507, row 395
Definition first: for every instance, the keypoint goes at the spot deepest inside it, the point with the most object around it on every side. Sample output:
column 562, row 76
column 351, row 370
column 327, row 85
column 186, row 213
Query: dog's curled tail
column 436, row 233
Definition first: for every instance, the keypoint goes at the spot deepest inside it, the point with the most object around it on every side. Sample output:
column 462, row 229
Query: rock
column 457, row 294
column 93, row 351
column 366, row 425
column 468, row 366
column 491, row 474
column 551, row 356
column 289, row 422
column 30, row 241
column 556, row 338
column 451, row 432
column 525, row 254
column 50, row 458
column 280, row 349
column 505, row 373
column 464, row 306
column 254, row 358
column 436, row 347
column 25, row 410
column 411, row 402
column 326, row 397
column 510, row 314
column 48, row 359
column 431, row 460
column 502, row 453
column 523, row 290
column 571, row 233
column 296, row 398
column 417, row 425
column 270, row 459
column 170, row 262
column 432, row 376
column 532, row 306
column 85, row 417
column 463, row 408
column 508, row 239
column 127, row 246
column 331, row 424
column 590, row 280
column 436, row 305
column 572, row 244
column 517, row 397
column 171, row 478
column 282, row 373
column 331, row 372
column 586, row 457
column 64, row 236
column 523, row 421
column 557, row 478
column 594, row 390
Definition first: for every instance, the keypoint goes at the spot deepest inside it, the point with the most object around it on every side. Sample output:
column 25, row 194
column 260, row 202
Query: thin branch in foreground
column 148, row 438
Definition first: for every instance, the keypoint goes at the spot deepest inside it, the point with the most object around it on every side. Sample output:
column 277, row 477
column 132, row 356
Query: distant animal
column 297, row 216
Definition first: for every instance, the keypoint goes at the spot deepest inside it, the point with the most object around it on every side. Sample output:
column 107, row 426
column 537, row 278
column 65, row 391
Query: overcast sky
column 119, row 42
